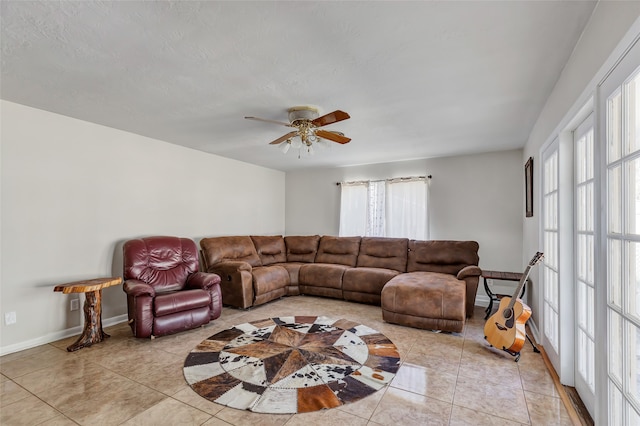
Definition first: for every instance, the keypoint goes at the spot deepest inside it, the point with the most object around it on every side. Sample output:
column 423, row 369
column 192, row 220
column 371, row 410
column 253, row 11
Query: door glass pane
column 589, row 155
column 615, row 200
column 591, row 371
column 615, row 345
column 633, row 355
column 588, row 252
column 615, row 405
column 614, row 126
column 590, row 315
column 589, row 210
column 581, row 208
column 551, row 249
column 632, row 416
column 633, row 269
column 632, row 103
column 582, row 304
column 614, row 271
column 633, row 197
column 551, row 326
column 582, row 354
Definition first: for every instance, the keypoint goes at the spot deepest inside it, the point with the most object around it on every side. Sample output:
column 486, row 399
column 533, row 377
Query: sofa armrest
column 236, row 282
column 469, row 271
column 202, row 280
column 225, row 269
column 137, row 288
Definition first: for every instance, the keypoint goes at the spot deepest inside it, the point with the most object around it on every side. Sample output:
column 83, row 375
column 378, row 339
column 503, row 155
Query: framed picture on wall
column 528, row 187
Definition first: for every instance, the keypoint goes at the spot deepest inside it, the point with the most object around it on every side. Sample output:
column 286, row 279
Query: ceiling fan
column 307, row 121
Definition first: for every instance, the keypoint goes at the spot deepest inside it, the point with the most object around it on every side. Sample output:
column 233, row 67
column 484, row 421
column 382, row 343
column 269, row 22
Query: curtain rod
column 401, row 179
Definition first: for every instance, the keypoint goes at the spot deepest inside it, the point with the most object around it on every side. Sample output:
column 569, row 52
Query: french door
column 620, row 115
column 551, row 266
column 584, row 191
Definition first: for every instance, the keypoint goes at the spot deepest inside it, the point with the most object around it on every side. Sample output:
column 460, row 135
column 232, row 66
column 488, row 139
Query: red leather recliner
column 165, row 292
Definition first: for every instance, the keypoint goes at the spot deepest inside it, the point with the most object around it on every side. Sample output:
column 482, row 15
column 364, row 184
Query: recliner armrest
column 137, row 288
column 469, row 271
column 202, row 280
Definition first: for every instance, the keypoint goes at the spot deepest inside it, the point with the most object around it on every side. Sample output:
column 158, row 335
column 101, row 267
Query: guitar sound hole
column 507, row 313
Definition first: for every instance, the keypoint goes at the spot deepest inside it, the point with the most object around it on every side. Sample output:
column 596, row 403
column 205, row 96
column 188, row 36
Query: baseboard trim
column 534, row 330
column 56, row 335
column 564, row 397
column 482, row 300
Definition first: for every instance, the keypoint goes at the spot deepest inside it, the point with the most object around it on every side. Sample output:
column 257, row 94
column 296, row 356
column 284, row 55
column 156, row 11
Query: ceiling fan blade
column 283, row 138
column 332, row 136
column 270, row 121
column 332, row 117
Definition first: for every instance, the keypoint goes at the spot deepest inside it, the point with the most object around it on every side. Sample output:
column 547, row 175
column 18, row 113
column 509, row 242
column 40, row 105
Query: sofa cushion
column 269, row 278
column 447, row 257
column 271, row 249
column 322, row 275
column 221, row 249
column 338, row 250
column 185, row 300
column 388, row 253
column 367, row 280
column 364, row 285
column 302, row 248
column 269, row 283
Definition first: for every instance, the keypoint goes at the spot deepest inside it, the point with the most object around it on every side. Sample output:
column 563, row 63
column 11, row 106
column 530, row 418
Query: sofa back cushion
column 220, row 249
column 388, row 253
column 338, row 250
column 302, row 248
column 271, row 249
column 447, row 257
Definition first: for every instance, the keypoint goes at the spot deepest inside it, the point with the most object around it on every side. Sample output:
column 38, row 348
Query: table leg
column 92, row 332
column 490, row 294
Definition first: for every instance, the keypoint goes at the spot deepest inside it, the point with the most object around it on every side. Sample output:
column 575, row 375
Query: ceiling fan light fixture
column 284, row 146
column 322, row 143
column 296, row 143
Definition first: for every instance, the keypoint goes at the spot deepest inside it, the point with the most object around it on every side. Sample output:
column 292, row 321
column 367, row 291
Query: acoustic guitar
column 505, row 329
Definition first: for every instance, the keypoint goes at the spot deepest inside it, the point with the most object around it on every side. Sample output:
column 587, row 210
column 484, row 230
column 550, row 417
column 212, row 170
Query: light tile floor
column 444, row 379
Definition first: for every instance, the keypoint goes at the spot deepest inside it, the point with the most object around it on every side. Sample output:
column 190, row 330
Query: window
column 385, row 208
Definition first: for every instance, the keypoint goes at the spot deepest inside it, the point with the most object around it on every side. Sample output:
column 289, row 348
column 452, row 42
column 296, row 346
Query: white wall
column 475, row 197
column 609, row 23
column 74, row 191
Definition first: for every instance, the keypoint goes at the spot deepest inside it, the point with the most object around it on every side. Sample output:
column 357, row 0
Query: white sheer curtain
column 406, row 211
column 376, row 214
column 391, row 208
column 354, row 206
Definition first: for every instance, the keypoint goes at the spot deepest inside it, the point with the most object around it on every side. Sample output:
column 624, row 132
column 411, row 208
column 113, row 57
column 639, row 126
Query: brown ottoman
column 428, row 300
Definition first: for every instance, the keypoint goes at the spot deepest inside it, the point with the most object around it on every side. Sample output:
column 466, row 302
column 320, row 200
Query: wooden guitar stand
column 517, row 354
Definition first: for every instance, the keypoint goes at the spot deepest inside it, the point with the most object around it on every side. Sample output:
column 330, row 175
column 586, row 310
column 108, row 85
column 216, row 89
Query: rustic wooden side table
column 92, row 289
column 503, row 276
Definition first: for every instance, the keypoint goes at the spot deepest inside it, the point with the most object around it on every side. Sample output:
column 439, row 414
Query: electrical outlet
column 75, row 304
column 10, row 318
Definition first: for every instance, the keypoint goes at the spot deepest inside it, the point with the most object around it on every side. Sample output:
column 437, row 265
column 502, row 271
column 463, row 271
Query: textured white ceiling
column 419, row 79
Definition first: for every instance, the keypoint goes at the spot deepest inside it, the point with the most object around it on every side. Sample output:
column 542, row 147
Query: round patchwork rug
column 291, row 364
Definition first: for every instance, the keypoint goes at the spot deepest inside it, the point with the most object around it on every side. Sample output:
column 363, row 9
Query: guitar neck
column 524, row 278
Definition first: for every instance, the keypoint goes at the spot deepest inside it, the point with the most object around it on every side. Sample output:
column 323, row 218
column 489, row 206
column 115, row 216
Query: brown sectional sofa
column 425, row 284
